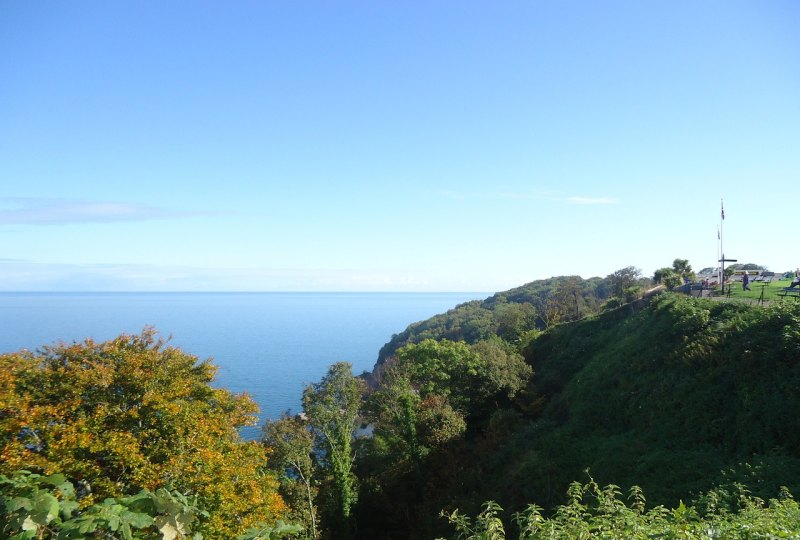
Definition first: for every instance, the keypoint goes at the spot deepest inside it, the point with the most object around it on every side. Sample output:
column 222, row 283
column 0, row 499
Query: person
column 796, row 280
column 746, row 281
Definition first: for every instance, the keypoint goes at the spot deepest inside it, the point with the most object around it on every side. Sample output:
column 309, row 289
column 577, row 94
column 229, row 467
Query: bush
column 595, row 512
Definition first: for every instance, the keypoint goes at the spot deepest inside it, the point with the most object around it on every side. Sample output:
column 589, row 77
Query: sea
column 270, row 345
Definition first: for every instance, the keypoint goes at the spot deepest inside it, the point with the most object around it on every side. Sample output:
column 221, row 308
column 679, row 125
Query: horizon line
column 237, row 292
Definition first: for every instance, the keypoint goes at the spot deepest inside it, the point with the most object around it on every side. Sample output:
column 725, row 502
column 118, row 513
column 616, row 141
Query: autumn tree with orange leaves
column 133, row 413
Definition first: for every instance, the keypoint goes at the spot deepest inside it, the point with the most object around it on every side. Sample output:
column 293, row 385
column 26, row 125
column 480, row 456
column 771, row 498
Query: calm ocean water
column 270, row 345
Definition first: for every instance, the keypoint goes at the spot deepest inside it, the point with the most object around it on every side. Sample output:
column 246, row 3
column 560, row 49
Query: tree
column 504, row 372
column 625, row 282
column 438, row 422
column 445, row 368
column 468, row 376
column 425, row 394
column 569, row 293
column 292, row 444
column 553, row 311
column 667, row 276
column 134, row 413
column 683, row 268
column 408, row 424
column 332, row 407
column 673, row 276
column 514, row 319
column 393, row 409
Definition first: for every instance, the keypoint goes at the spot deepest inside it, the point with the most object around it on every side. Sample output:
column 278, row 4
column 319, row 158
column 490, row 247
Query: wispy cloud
column 43, row 211
column 591, row 200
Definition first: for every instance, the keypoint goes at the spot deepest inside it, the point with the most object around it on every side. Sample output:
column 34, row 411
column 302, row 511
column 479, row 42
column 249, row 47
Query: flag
column 722, row 209
column 718, row 237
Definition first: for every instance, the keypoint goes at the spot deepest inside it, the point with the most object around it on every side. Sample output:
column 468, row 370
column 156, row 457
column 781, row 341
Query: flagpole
column 721, row 249
column 719, row 255
column 721, row 220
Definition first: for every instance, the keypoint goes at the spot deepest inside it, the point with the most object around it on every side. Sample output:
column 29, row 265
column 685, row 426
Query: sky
column 391, row 146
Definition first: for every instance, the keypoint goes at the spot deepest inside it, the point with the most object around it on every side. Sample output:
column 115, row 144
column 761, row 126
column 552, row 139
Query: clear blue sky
column 392, row 146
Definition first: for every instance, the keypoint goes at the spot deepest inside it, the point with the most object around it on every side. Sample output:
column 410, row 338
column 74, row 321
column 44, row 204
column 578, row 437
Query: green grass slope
column 679, row 397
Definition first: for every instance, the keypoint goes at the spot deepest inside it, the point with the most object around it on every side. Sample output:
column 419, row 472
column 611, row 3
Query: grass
column 770, row 291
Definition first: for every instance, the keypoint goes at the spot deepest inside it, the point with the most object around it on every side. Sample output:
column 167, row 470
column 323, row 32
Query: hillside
column 669, row 397
column 509, row 314
column 676, row 395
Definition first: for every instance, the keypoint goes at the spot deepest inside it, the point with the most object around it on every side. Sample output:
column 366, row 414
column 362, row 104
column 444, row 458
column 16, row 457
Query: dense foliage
column 33, row 506
column 510, row 314
column 131, row 414
column 595, row 512
column 680, row 397
column 676, row 394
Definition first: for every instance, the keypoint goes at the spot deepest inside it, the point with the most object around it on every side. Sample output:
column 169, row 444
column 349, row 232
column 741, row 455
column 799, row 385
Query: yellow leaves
column 228, row 476
column 10, row 368
column 66, row 437
column 132, row 413
column 12, row 459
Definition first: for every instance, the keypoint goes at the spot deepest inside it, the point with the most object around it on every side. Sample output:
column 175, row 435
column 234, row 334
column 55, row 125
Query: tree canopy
column 131, row 413
column 332, row 407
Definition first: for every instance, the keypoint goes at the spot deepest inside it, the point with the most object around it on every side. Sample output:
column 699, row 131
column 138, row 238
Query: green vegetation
column 680, row 272
column 507, row 400
column 511, row 315
column 595, row 512
column 34, row 506
column 332, row 407
column 681, row 396
column 292, row 447
column 667, row 398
